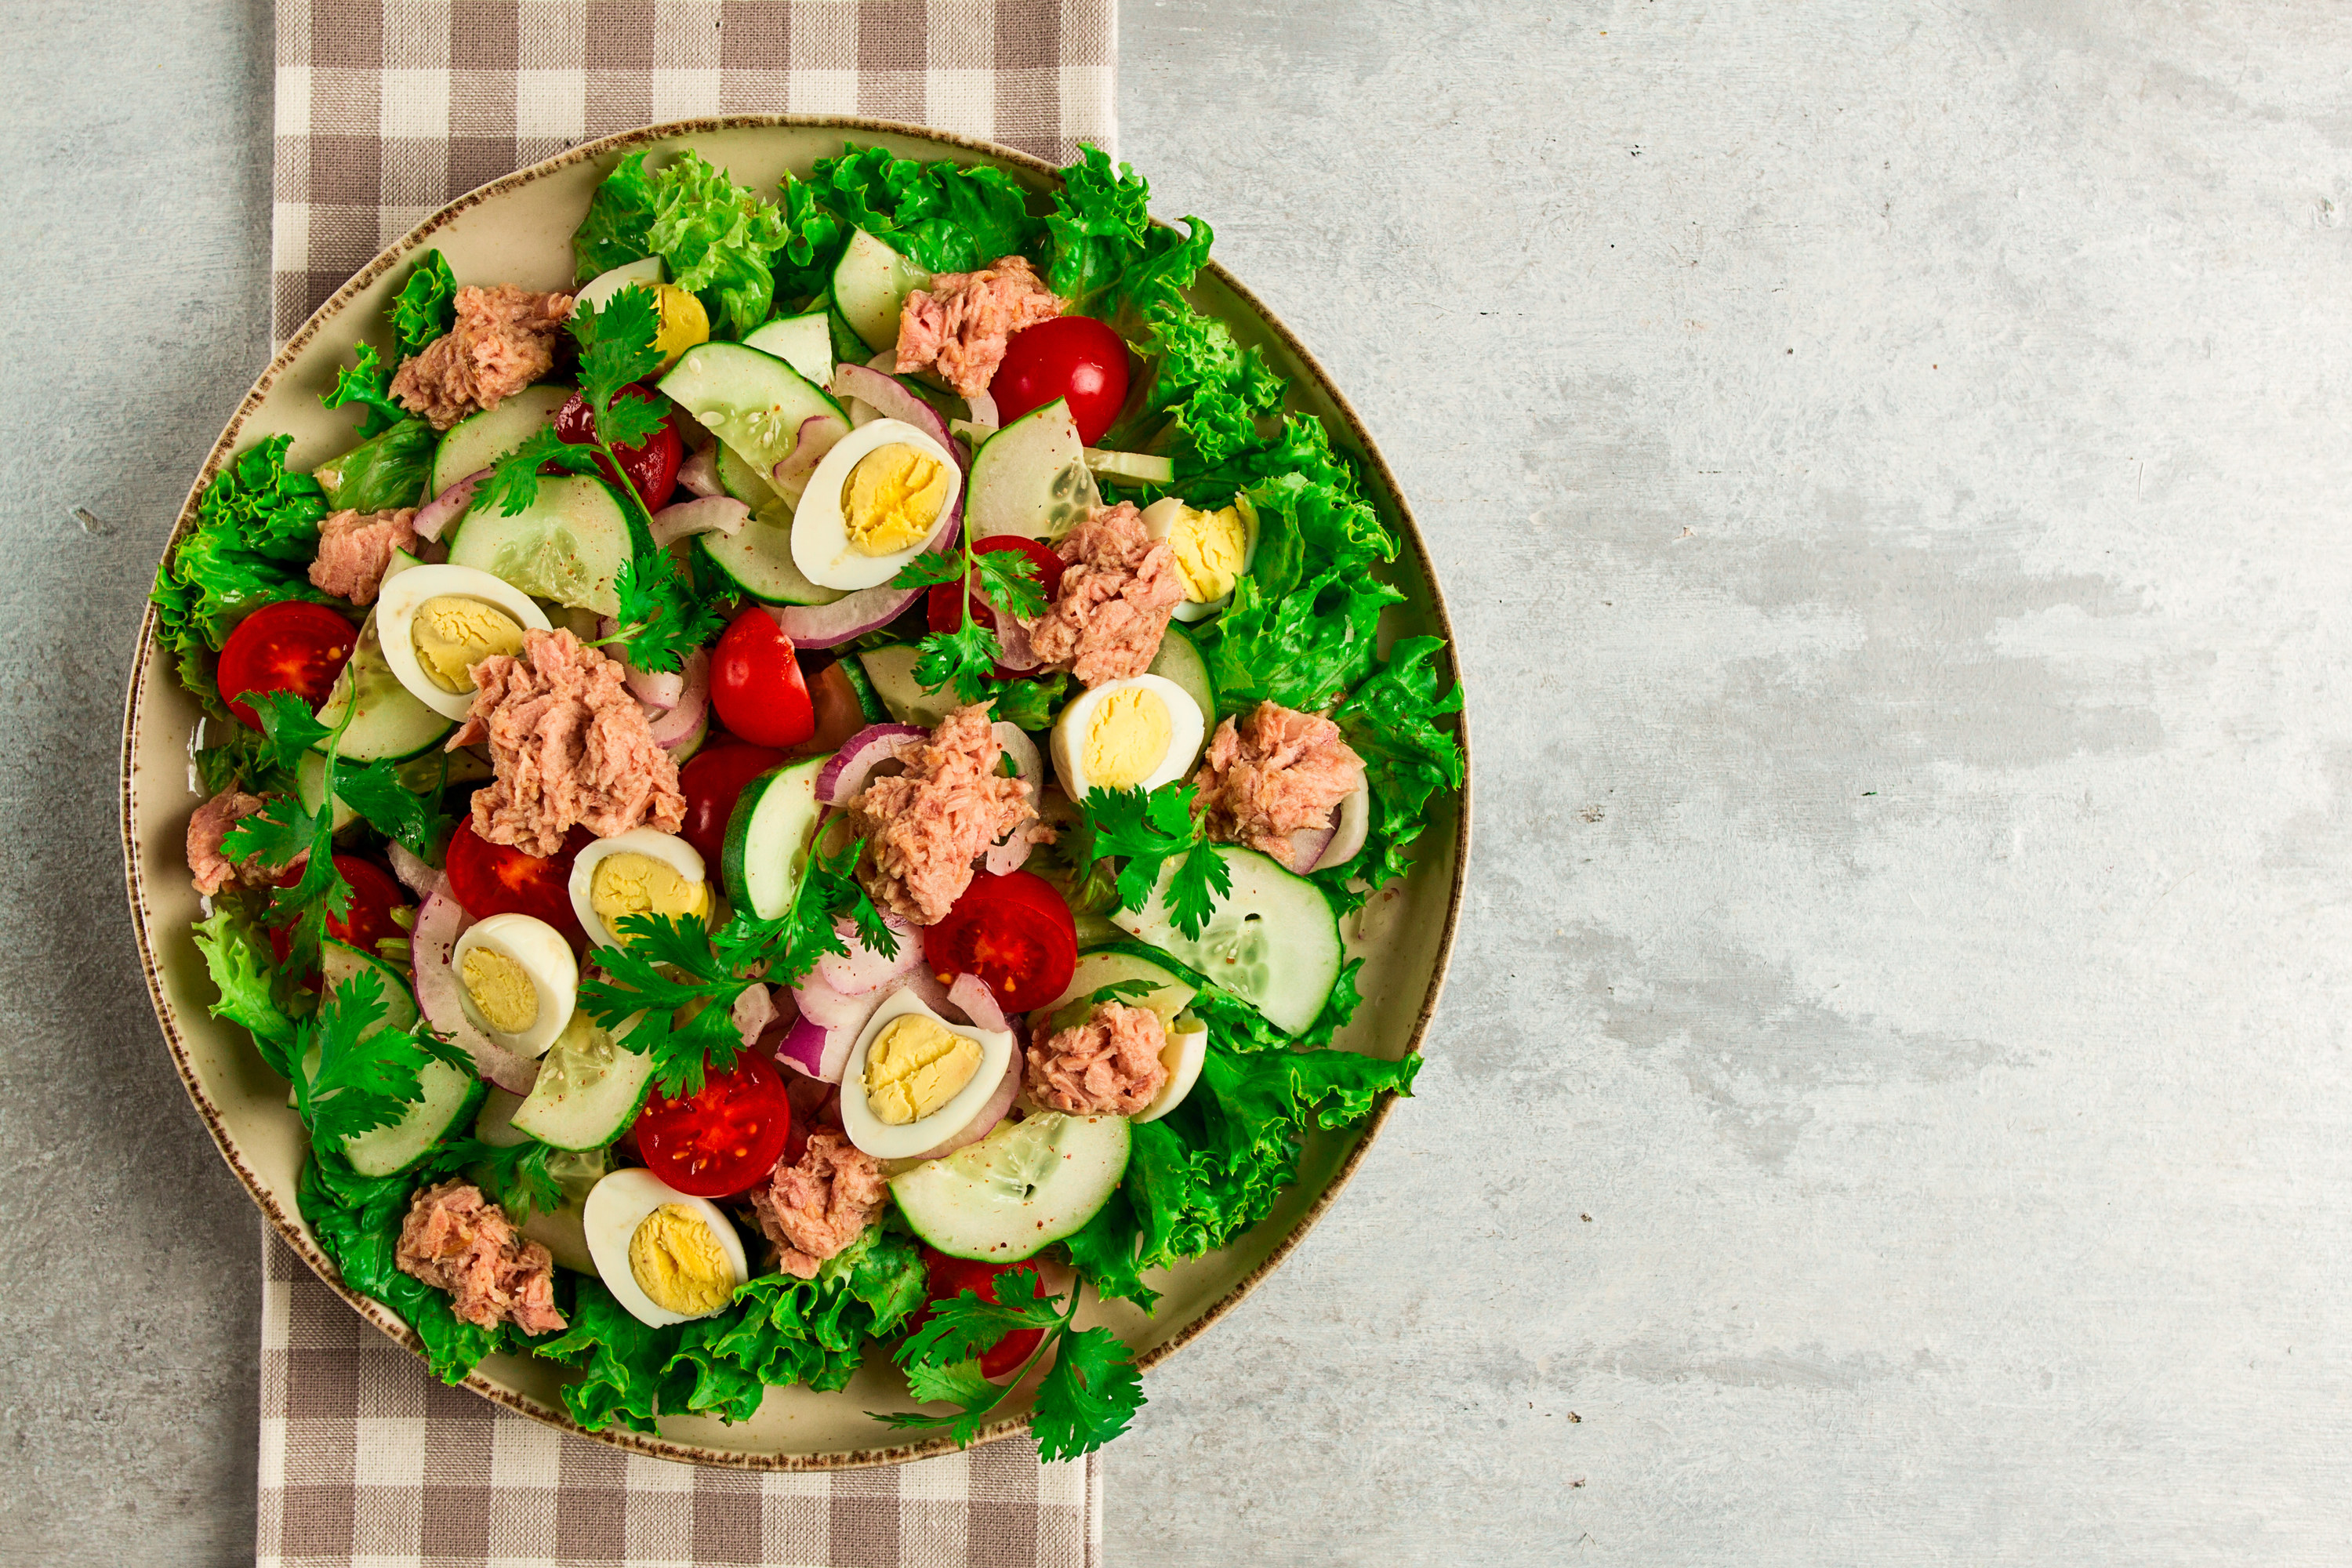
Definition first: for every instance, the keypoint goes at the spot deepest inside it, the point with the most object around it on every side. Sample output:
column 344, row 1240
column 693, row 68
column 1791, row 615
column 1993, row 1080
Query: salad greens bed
column 1301, row 630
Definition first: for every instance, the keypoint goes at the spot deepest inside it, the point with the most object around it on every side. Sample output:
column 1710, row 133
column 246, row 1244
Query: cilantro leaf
column 616, row 345
column 287, row 727
column 366, row 383
column 662, row 618
column 665, row 967
column 1147, row 832
column 513, row 483
column 426, row 305
column 1120, row 990
column 1089, row 1395
column 963, row 659
column 392, row 808
column 1030, row 702
column 354, row 1075
column 1008, row 579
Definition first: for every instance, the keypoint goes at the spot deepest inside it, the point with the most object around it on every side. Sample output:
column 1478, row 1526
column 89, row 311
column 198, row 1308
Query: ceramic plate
column 518, row 230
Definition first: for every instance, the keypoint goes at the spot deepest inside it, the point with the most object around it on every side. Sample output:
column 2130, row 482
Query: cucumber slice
column 757, row 557
column 767, row 838
column 1030, row 477
column 870, row 285
column 1143, row 468
column 311, row 784
column 1273, row 940
column 870, row 701
column 390, row 723
column 1169, row 995
column 480, row 440
column 1179, row 660
column 753, row 402
column 588, row 1089
column 567, row 545
column 1025, row 1185
column 891, row 669
column 451, row 1094
column 804, row 343
column 575, row 1172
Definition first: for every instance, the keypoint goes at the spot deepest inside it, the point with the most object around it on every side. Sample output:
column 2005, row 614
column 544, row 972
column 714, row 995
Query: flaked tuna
column 454, row 1240
column 503, row 340
column 1277, row 773
column 1108, row 1066
column 960, row 324
column 1117, row 591
column 815, row 1208
column 355, row 549
column 924, row 828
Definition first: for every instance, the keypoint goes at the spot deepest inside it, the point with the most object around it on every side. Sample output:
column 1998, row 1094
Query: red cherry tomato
column 295, row 645
column 710, row 780
column 945, row 1277
column 495, row 879
column 723, row 1140
column 1013, row 931
column 756, row 685
column 1074, row 357
column 945, row 614
column 838, row 714
column 651, row 467
column 375, row 894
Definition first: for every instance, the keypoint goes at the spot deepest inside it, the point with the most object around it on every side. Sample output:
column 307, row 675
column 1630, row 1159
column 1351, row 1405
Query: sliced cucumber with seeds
column 803, row 342
column 753, row 402
column 569, row 544
column 1179, row 659
column 480, row 440
column 768, row 837
column 870, row 285
column 757, row 557
column 390, row 723
column 588, row 1089
column 1273, row 940
column 1030, row 477
column 450, row 1093
column 1024, row 1187
column 891, row 669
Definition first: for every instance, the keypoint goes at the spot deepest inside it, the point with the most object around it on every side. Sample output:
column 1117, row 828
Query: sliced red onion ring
column 983, row 410
column 1308, row 844
column 440, row 921
column 970, row 994
column 830, row 626
column 754, row 1010
column 700, row 473
column 447, row 507
column 415, row 874
column 819, row 1052
column 1014, row 651
column 1013, row 852
column 840, row 780
column 705, row 514
column 815, row 438
column 676, row 725
column 1350, row 822
column 887, row 396
column 991, row 1113
column 862, row 969
column 821, row 1005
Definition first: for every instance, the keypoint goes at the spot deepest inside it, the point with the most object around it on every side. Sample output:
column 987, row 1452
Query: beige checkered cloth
column 387, row 110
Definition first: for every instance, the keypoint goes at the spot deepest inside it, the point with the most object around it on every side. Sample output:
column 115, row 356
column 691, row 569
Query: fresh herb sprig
column 514, row 1175
column 351, row 1075
column 1146, row 831
column 1088, row 1396
column 662, row 618
column 964, row 658
column 286, row 830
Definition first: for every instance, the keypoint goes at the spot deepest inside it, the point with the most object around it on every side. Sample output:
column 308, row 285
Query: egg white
column 821, row 546
column 616, row 1207
column 544, row 956
column 405, row 592
column 1187, row 731
column 1160, row 523
column 650, row 842
column 1187, row 1049
column 881, row 1139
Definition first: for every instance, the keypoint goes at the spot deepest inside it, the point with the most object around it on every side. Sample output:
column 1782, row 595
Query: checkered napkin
column 364, row 1458
column 387, row 110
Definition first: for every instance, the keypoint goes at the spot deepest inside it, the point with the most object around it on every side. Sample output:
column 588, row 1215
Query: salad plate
column 520, row 230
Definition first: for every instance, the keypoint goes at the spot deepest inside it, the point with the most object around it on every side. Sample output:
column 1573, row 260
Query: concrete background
column 1889, row 473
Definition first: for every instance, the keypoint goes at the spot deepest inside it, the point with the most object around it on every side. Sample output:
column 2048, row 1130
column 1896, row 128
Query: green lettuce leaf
column 1391, row 720
column 1302, row 650
column 425, row 306
column 383, row 473
column 1213, row 390
column 718, row 239
column 620, row 215
column 623, row 1358
column 942, row 217
column 237, row 956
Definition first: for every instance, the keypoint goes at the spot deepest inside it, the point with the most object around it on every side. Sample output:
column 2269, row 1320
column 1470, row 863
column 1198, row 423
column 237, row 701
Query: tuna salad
column 757, row 742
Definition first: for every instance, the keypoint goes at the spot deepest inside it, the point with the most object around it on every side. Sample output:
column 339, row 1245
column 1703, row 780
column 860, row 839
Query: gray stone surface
column 1888, row 471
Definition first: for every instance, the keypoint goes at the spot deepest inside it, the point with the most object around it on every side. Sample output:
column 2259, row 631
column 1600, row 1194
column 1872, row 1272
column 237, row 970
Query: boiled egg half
column 1212, row 549
column 644, row 871
column 517, row 980
column 1187, row 1049
column 1137, row 733
column 872, row 503
column 438, row 622
column 666, row 1256
column 914, row 1081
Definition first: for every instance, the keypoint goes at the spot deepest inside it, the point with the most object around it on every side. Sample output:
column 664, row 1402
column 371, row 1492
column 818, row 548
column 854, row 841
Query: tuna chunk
column 1280, row 773
column 962, row 321
column 456, row 1241
column 1117, row 594
column 355, row 548
column 208, row 862
column 504, row 341
column 814, row 1209
column 1108, row 1066
column 925, row 827
column 569, row 744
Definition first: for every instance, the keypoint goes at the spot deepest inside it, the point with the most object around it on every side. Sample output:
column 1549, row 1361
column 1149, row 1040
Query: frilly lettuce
column 942, row 217
column 718, row 239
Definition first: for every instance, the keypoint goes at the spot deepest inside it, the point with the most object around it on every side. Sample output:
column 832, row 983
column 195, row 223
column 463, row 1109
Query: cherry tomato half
column 756, row 685
column 496, row 879
column 295, row 646
column 945, row 614
column 838, row 713
column 1074, row 357
column 945, row 1277
column 1013, row 930
column 375, row 893
column 711, row 780
column 651, row 467
column 723, row 1140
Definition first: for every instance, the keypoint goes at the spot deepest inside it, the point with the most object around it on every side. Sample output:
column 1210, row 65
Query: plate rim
column 289, row 1231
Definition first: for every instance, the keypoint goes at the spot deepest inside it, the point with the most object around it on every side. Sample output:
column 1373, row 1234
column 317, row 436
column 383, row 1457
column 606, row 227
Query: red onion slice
column 440, row 921
column 816, row 436
column 447, row 507
column 1013, row 852
column 841, row 780
column 416, row 874
column 1350, row 824
column 705, row 514
column 821, row 1005
column 698, row 474
column 970, row 994
column 1014, row 651
column 754, row 1010
column 862, row 969
column 819, row 1052
column 991, row 1113
column 676, row 725
column 983, row 410
column 887, row 396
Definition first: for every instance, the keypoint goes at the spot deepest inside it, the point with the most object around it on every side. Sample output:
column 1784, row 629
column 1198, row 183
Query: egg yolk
column 453, row 635
column 678, row 1263
column 502, row 988
column 893, row 497
column 914, row 1067
column 1126, row 737
column 1209, row 548
column 684, row 321
column 628, row 884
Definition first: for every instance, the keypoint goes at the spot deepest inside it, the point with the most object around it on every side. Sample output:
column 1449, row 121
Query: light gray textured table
column 1890, row 477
